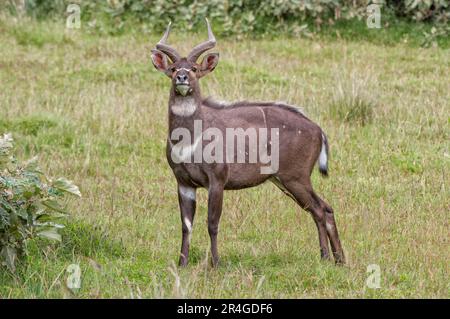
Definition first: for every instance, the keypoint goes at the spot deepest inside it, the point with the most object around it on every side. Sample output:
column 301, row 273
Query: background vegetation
column 90, row 103
column 249, row 18
column 30, row 204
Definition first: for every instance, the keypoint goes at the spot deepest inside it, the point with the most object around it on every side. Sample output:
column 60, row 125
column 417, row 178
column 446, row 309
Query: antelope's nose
column 182, row 78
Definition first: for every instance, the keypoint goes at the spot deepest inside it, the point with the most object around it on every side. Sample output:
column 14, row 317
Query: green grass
column 94, row 109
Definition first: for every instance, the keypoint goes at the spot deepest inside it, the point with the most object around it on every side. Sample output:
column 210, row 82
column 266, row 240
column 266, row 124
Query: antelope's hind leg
column 322, row 214
column 330, row 224
column 187, row 202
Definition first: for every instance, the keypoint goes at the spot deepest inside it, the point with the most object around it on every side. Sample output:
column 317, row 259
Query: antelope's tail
column 323, row 157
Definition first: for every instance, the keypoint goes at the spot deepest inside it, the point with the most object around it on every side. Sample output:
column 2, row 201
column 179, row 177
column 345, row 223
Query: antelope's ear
column 160, row 61
column 209, row 63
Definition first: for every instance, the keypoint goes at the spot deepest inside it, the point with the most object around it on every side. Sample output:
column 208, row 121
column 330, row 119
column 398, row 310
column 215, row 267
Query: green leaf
column 53, row 205
column 51, row 233
column 66, row 186
column 49, row 217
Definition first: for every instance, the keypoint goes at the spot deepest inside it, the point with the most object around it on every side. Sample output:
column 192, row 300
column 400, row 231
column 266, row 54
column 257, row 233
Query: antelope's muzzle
column 182, row 83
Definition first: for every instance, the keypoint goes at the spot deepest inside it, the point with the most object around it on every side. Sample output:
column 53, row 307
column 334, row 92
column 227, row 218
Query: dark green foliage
column 233, row 16
column 30, row 204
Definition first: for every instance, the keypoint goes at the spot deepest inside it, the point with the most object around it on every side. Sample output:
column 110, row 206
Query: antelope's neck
column 183, row 110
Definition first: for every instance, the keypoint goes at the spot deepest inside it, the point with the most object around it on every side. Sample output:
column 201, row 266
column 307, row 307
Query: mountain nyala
column 229, row 146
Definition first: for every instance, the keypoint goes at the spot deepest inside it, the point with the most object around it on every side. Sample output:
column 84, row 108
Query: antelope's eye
column 194, row 69
column 173, row 69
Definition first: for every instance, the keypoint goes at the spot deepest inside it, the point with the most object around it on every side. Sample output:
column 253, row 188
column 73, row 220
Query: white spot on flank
column 184, row 107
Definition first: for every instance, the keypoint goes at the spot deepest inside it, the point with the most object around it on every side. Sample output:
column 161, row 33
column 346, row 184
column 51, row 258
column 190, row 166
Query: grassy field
column 95, row 110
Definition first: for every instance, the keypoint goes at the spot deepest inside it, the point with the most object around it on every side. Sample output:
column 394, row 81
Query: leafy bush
column 421, row 10
column 231, row 16
column 427, row 20
column 30, row 204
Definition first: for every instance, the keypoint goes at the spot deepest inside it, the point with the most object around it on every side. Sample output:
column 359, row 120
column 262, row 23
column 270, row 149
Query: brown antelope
column 285, row 132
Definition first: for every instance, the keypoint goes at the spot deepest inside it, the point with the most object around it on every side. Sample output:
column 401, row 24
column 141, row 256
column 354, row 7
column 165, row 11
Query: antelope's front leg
column 215, row 199
column 186, row 199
